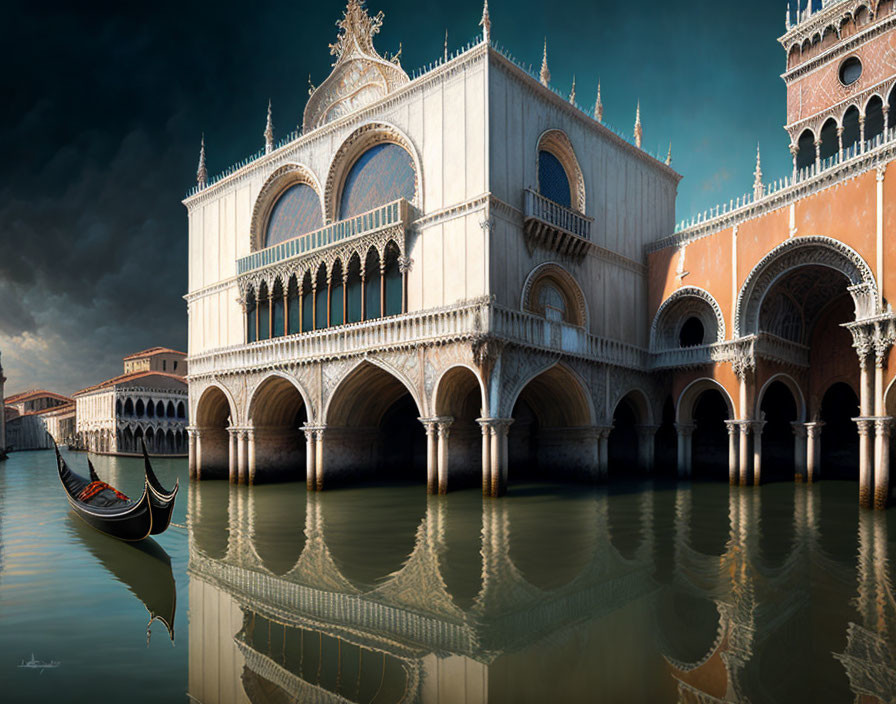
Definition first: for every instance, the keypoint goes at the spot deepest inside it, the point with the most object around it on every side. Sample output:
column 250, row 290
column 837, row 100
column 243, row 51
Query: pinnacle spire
column 639, row 133
column 598, row 105
column 201, row 172
column 572, row 92
column 269, row 132
column 669, row 155
column 545, row 75
column 757, row 177
column 485, row 23
column 445, row 53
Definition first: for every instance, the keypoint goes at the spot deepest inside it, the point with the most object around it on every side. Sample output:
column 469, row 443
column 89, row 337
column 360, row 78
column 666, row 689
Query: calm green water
column 643, row 593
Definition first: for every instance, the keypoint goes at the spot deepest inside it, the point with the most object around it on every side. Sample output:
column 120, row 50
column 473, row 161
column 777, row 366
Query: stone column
column 430, row 425
column 319, row 458
column 685, row 433
column 861, row 133
column 863, row 343
column 758, row 426
column 404, row 266
column 486, row 455
column 840, row 143
column 382, row 288
column 363, row 293
column 250, row 453
column 232, row 475
column 646, row 448
column 191, row 452
column 794, row 150
column 882, row 427
column 310, row 457
column 444, row 425
column 743, row 458
column 603, row 451
column 314, row 304
column 817, row 155
column 799, row 451
column 813, row 450
column 242, row 456
column 866, row 431
column 498, row 453
column 732, row 451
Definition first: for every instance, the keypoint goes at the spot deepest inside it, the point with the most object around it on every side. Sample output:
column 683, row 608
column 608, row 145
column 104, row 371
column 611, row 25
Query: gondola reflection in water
column 143, row 567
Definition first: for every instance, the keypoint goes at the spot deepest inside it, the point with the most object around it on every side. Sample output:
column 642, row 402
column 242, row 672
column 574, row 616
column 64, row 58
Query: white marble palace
column 427, row 277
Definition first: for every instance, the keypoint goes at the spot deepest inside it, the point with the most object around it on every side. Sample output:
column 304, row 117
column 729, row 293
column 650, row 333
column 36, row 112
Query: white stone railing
column 387, row 216
column 692, row 356
column 546, row 210
column 764, row 345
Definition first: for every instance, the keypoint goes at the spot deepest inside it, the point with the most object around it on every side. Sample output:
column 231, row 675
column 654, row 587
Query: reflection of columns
column 498, row 452
column 685, row 433
column 486, row 455
column 799, row 450
column 813, row 450
column 882, row 427
column 758, row 425
column 250, row 453
column 191, row 453
column 430, row 425
column 242, row 456
column 231, row 455
column 646, row 452
column 743, row 459
column 603, row 451
column 732, row 451
column 865, row 427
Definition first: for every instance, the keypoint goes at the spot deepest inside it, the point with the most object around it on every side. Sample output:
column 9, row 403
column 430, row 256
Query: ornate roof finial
column 485, row 23
column 545, row 75
column 639, row 133
column 598, row 105
column 669, row 155
column 201, row 172
column 445, row 55
column 269, row 132
column 787, row 16
column 757, row 177
column 572, row 92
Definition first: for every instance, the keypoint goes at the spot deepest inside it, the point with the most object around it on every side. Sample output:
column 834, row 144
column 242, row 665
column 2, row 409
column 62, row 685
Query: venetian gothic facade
column 465, row 275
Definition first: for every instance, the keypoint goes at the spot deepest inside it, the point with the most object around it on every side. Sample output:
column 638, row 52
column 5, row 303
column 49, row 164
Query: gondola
column 105, row 508
column 144, row 568
column 161, row 500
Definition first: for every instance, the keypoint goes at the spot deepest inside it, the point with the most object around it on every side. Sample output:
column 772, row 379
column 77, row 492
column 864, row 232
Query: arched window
column 850, row 127
column 320, row 306
column 874, row 118
column 805, row 155
column 552, row 302
column 129, row 407
column 692, row 333
column 392, row 282
column 830, row 143
column 354, row 290
column 553, row 293
column 372, row 287
column 336, row 294
column 294, row 307
column 251, row 328
column 382, row 174
column 181, row 411
column 295, row 212
column 140, row 408
column 553, row 183
column 277, row 310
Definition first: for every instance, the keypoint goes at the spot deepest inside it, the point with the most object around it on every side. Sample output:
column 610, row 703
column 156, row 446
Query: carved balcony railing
column 390, row 216
column 463, row 321
column 550, row 225
column 764, row 346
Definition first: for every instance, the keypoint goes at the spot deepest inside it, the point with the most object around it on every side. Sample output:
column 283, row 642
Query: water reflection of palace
column 624, row 598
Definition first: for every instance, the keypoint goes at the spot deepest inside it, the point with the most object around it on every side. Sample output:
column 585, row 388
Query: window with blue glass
column 382, row 174
column 553, row 183
column 296, row 212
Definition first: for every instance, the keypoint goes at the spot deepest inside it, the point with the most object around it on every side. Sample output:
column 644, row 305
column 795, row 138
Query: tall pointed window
column 553, row 182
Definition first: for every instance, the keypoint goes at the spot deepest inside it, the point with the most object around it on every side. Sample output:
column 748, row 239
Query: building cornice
column 781, row 198
column 231, row 282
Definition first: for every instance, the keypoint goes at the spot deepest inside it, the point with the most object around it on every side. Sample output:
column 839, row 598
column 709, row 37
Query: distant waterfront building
column 31, row 415
column 462, row 269
column 145, row 403
column 2, row 417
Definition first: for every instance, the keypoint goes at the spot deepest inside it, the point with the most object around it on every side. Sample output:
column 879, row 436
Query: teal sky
column 100, row 133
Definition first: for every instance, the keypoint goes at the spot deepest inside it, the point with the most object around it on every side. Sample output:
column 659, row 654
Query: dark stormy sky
column 104, row 102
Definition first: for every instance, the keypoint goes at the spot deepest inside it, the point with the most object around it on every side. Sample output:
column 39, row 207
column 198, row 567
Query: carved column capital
column 685, row 429
column 404, row 264
column 865, row 425
column 883, row 426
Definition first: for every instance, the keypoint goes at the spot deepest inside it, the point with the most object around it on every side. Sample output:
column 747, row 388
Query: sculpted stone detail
column 799, row 251
column 360, row 75
column 683, row 303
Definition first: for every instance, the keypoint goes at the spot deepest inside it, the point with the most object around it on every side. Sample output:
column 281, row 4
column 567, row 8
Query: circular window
column 691, row 333
column 850, row 70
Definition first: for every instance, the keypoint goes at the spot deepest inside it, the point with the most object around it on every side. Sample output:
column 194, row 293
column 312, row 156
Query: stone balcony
column 763, row 345
column 387, row 218
column 551, row 226
column 468, row 320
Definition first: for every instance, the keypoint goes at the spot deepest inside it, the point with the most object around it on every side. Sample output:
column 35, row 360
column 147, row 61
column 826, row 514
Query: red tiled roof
column 64, row 408
column 33, row 393
column 114, row 381
column 151, row 352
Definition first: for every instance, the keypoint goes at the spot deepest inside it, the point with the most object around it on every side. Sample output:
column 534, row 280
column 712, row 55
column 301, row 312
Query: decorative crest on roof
column 545, row 75
column 269, row 132
column 201, row 171
column 598, row 106
column 757, row 177
column 572, row 92
column 485, row 23
column 360, row 75
column 639, row 133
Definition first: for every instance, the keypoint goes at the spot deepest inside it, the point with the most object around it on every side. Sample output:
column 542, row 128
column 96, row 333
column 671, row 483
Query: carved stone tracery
column 686, row 302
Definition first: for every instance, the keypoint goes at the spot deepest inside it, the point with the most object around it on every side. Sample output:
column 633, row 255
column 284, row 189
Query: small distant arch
column 552, row 292
column 685, row 407
column 794, row 389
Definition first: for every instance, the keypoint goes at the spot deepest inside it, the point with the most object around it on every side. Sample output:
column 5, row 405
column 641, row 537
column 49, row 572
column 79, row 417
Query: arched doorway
column 373, row 430
column 213, row 416
column 630, row 445
column 459, row 397
column 839, row 435
column 666, row 442
column 778, row 408
column 552, row 436
column 703, row 409
column 277, row 414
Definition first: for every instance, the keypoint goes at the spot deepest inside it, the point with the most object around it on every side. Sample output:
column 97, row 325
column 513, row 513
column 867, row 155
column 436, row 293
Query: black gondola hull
column 161, row 501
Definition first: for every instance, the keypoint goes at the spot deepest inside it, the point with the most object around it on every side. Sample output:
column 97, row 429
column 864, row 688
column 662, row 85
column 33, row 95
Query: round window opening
column 850, row 71
column 691, row 333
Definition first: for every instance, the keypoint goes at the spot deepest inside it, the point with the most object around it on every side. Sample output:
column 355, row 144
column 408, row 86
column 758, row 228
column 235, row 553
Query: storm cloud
column 104, row 106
